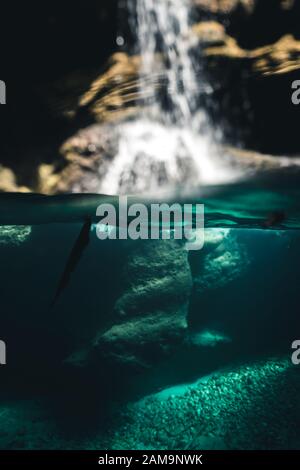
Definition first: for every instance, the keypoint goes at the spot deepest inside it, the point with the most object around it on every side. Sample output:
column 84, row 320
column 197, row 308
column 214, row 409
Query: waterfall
column 163, row 28
column 170, row 142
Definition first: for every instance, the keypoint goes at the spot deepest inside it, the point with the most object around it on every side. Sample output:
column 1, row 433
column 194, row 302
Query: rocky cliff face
column 251, row 51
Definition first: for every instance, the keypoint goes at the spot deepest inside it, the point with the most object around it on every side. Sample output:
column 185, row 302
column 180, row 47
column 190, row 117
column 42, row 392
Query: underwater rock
column 253, row 406
column 205, row 415
column 150, row 314
column 221, row 260
column 14, row 235
column 208, row 338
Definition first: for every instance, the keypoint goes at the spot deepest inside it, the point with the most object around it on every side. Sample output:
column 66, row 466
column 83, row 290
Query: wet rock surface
column 205, row 415
column 201, row 416
column 149, row 318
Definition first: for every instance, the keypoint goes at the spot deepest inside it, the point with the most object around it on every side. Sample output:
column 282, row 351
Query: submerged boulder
column 243, row 407
column 150, row 313
column 221, row 260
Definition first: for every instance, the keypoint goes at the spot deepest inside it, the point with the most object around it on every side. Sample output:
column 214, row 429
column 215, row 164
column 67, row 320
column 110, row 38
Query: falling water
column 170, row 142
column 164, row 42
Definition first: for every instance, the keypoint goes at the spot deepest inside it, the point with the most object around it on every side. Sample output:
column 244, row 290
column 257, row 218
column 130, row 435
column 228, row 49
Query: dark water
column 116, row 361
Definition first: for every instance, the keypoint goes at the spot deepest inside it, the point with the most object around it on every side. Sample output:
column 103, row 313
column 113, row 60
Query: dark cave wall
column 41, row 42
column 46, row 39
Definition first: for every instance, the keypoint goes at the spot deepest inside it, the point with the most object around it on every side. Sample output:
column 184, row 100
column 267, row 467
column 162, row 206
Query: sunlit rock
column 222, row 260
column 14, row 235
column 204, row 415
column 209, row 338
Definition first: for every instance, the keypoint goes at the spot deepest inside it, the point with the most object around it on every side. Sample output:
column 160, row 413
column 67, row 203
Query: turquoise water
column 148, row 345
column 245, row 205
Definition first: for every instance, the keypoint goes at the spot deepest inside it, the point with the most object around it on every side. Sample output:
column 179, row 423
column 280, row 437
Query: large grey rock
column 150, row 314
